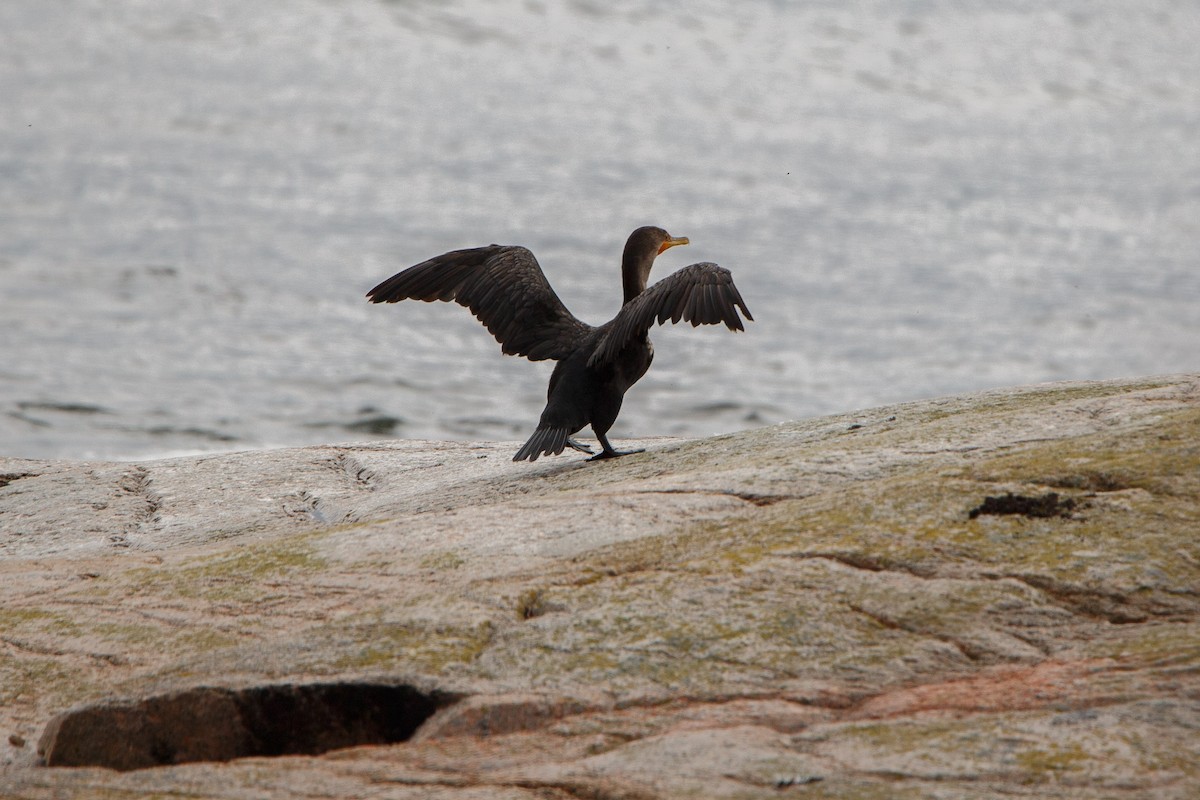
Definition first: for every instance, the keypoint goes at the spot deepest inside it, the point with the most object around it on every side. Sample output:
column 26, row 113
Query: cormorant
column 504, row 287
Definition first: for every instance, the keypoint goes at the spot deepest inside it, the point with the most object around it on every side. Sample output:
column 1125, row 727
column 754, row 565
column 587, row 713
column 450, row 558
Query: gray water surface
column 915, row 197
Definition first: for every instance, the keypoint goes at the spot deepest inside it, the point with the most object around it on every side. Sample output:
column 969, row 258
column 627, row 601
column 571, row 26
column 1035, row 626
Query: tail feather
column 544, row 441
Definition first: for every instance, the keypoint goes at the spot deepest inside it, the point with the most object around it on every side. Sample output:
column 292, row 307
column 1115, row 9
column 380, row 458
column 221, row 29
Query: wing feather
column 506, row 290
column 679, row 303
column 704, row 305
column 702, row 294
column 714, row 304
column 692, row 308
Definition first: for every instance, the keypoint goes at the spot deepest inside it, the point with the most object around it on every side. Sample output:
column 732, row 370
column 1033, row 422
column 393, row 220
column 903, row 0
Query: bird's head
column 641, row 248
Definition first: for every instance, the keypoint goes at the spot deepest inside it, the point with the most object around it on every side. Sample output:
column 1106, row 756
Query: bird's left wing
column 504, row 287
column 702, row 294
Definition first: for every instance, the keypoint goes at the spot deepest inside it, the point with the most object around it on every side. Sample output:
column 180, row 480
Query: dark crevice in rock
column 220, row 724
column 1041, row 506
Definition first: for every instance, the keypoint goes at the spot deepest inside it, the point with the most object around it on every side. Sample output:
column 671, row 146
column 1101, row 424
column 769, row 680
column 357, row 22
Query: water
column 916, row 198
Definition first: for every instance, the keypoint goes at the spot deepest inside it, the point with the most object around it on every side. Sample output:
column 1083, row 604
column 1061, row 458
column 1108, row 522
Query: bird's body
column 504, row 287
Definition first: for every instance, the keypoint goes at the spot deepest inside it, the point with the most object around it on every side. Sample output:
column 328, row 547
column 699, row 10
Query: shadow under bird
column 505, row 288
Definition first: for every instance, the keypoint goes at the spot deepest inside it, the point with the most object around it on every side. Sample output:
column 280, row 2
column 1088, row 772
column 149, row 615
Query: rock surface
column 831, row 608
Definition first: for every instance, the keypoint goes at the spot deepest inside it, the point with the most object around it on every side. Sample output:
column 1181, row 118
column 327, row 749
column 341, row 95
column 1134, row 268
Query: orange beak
column 672, row 242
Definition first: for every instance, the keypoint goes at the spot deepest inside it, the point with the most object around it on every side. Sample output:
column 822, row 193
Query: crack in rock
column 135, row 484
column 364, row 477
column 968, row 651
column 584, row 789
column 12, row 477
column 1110, row 606
column 306, row 505
column 864, row 562
column 1093, row 481
column 42, row 650
column 749, row 497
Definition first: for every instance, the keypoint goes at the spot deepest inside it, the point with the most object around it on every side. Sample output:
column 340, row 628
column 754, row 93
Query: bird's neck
column 634, row 275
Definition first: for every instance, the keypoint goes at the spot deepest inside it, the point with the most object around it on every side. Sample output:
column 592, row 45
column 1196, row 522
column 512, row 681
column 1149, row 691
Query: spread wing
column 504, row 288
column 702, row 294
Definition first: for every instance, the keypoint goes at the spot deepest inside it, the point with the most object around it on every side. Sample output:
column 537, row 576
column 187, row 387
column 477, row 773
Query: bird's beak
column 672, row 242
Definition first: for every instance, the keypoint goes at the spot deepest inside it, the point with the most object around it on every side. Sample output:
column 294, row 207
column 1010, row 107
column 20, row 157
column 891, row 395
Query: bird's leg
column 583, row 448
column 608, row 451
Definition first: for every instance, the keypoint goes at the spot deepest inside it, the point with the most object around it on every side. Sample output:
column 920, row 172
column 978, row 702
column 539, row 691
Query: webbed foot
column 610, row 453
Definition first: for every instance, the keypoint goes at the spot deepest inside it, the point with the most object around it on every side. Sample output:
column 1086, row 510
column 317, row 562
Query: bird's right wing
column 504, row 288
column 702, row 294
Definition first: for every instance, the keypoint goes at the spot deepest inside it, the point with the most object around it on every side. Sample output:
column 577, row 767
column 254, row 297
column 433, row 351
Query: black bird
column 504, row 287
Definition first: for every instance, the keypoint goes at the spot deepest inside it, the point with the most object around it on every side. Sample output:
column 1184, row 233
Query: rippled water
column 916, row 198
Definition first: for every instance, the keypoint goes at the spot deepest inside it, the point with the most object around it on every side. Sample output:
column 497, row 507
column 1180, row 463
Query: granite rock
column 994, row 595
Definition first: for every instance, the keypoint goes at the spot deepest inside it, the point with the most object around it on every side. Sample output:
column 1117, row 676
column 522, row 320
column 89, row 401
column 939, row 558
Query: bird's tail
column 546, row 441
